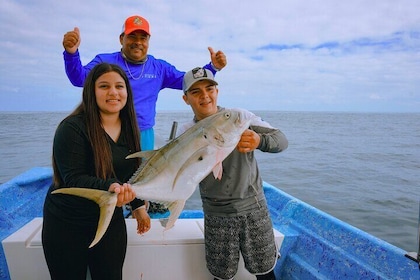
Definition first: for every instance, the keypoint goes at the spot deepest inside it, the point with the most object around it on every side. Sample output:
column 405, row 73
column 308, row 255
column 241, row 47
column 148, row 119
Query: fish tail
column 175, row 208
column 106, row 202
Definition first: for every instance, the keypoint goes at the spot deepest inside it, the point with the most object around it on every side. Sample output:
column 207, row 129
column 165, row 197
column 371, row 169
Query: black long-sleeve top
column 74, row 158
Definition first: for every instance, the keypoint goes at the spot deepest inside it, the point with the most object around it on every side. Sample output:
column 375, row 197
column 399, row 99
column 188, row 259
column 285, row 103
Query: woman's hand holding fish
column 125, row 193
column 143, row 220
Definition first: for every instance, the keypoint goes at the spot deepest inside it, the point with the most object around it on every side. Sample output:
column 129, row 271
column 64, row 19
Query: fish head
column 227, row 126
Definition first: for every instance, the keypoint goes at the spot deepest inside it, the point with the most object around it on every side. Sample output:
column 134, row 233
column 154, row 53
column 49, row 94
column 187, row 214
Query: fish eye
column 227, row 115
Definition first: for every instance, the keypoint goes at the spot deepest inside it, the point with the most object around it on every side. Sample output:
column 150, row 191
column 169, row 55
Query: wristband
column 214, row 67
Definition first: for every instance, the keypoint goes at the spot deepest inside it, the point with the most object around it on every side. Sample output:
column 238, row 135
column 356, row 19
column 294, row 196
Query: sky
column 294, row 55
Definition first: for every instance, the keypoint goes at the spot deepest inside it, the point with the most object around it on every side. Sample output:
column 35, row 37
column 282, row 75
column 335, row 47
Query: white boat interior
column 157, row 254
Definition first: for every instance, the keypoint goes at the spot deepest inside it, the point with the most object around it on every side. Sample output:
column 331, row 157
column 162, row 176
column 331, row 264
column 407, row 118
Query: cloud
column 288, row 55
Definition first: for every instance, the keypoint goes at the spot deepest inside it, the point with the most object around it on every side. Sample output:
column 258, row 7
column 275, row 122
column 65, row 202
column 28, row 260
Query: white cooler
column 177, row 253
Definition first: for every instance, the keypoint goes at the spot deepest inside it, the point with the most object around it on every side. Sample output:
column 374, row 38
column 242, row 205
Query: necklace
column 134, row 78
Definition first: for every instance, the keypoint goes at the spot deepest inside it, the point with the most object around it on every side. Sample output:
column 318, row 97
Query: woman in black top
column 89, row 150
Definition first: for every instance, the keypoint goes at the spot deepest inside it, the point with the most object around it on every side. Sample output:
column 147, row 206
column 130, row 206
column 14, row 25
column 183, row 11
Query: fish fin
column 138, row 171
column 142, row 154
column 218, row 168
column 218, row 171
column 193, row 160
column 106, row 202
column 175, row 208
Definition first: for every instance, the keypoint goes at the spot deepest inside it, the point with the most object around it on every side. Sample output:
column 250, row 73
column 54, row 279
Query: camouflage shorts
column 251, row 234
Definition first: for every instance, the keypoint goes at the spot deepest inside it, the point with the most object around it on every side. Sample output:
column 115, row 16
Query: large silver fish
column 170, row 174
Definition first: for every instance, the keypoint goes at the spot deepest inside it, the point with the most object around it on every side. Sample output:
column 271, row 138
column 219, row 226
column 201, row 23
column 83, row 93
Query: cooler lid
column 185, row 231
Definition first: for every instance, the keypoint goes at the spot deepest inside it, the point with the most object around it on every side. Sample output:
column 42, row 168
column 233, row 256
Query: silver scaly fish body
column 174, row 171
column 170, row 174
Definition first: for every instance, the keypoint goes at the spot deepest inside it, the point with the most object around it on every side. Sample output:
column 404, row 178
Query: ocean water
column 363, row 168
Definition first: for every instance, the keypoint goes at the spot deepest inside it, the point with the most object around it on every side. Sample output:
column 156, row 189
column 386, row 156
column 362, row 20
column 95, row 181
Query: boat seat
column 177, row 253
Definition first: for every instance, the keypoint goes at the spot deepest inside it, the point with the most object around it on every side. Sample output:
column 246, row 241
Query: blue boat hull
column 315, row 246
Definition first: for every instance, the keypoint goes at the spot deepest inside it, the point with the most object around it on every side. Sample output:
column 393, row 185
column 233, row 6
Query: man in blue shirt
column 147, row 74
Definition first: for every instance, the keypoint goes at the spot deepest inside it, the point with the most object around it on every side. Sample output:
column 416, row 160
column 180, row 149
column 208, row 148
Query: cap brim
column 202, row 79
column 128, row 31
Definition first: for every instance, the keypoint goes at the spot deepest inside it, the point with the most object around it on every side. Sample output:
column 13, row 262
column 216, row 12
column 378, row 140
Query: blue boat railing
column 415, row 256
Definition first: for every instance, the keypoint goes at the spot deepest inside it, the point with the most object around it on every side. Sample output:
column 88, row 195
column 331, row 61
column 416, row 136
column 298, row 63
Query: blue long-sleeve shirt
column 146, row 80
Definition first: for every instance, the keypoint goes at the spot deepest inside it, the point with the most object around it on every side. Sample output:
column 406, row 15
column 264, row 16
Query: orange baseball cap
column 134, row 23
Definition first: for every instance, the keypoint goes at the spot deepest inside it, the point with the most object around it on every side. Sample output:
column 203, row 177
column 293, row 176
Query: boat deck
column 315, row 246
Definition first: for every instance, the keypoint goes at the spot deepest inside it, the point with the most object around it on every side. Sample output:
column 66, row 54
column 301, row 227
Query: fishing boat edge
column 316, row 245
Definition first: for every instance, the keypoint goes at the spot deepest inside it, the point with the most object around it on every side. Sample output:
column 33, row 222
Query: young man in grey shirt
column 236, row 218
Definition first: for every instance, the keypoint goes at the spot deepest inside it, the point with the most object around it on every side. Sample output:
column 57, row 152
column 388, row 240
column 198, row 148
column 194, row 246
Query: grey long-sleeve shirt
column 240, row 189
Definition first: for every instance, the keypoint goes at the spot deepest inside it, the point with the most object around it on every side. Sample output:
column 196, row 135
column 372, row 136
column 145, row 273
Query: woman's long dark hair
column 97, row 135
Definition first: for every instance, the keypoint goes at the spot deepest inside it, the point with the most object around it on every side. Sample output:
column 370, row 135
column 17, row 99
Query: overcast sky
column 290, row 55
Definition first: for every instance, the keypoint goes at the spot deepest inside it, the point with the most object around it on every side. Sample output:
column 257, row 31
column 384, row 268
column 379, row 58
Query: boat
column 312, row 244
